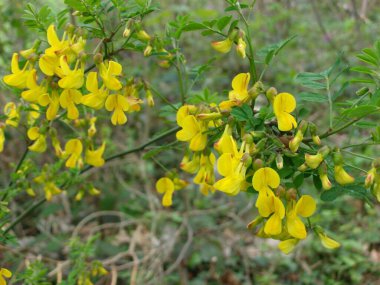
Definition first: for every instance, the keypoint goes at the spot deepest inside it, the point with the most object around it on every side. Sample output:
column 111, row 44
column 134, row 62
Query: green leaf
column 360, row 111
column 366, row 124
column 310, row 80
column 312, row 97
column 193, row 26
column 223, row 22
column 368, row 59
column 356, row 191
column 243, row 114
column 362, row 69
column 298, row 180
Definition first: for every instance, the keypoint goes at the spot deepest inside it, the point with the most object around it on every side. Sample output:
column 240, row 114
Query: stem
column 358, row 155
column 330, row 102
column 178, row 67
column 19, row 164
column 360, row 144
column 251, row 56
column 119, row 155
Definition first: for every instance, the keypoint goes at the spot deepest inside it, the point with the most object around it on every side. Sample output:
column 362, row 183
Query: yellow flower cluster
column 239, row 153
column 65, row 86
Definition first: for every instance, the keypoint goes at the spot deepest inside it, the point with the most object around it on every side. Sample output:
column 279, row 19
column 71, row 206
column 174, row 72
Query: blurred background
column 202, row 240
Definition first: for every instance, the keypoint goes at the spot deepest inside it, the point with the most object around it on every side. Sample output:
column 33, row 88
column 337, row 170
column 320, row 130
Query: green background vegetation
column 202, row 240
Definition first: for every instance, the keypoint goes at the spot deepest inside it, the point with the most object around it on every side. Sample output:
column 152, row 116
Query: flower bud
column 303, row 167
column 148, row 50
column 256, row 89
column 164, row 63
column 126, row 32
column 313, row 131
column 271, row 93
column 341, row 176
column 291, row 194
column 279, row 161
column 240, row 48
column 322, row 171
column 143, row 36
column 313, row 161
column 222, row 46
column 149, row 98
column 98, row 58
column 209, row 116
column 326, row 241
column 257, row 164
column 296, row 141
column 258, row 220
column 370, row 178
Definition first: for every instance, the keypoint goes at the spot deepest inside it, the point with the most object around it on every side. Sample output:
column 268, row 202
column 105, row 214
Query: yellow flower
column 305, row 207
column 4, row 273
column 240, row 48
column 327, row 241
column 190, row 166
column 283, row 105
column 118, row 104
column 222, row 46
column 341, row 176
column 50, row 188
column 265, row 179
column 287, row 246
column 165, row 186
column 33, row 113
column 271, row 206
column 57, row 46
column 2, row 138
column 94, row 157
column 19, row 76
column 51, row 100
column 313, row 161
column 97, row 97
column 322, row 171
column 108, row 73
column 192, row 132
column 92, row 129
column 370, row 178
column 13, row 114
column 226, row 143
column 39, row 139
column 205, row 177
column 71, row 79
column 239, row 93
column 68, row 100
column 35, row 90
column 73, row 149
column 233, row 167
column 295, row 143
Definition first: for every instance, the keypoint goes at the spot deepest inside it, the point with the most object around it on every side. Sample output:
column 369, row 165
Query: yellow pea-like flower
column 271, row 206
column 239, row 93
column 4, row 273
column 305, row 207
column 283, row 105
column 226, row 143
column 193, row 132
column 19, row 76
column 287, row 246
column 71, row 79
column 57, row 46
column 39, row 139
column 265, row 178
column 165, row 186
column 109, row 72
column 205, row 177
column 68, row 100
column 49, row 65
column 313, row 161
column 240, row 48
column 34, row 90
column 52, row 101
column 95, row 157
column 2, row 138
column 341, row 176
column 73, row 149
column 328, row 242
column 98, row 96
column 223, row 46
column 118, row 104
column 13, row 114
column 190, row 165
column 49, row 186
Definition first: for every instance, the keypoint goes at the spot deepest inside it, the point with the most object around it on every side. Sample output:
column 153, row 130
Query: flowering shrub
column 252, row 139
